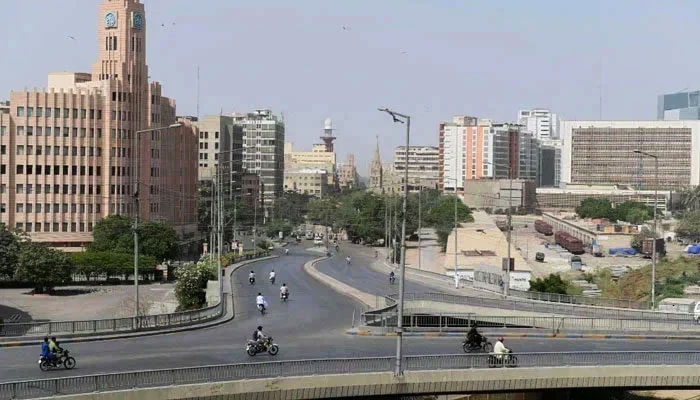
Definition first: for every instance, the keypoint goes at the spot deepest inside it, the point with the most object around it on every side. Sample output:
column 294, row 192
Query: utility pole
column 653, row 246
column 420, row 201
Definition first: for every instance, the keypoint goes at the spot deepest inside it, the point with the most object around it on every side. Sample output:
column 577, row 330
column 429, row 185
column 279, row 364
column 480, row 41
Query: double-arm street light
column 653, row 246
column 401, row 118
column 136, row 210
column 509, row 225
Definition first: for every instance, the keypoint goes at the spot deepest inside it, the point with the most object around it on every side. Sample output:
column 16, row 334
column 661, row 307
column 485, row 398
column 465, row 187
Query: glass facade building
column 679, row 106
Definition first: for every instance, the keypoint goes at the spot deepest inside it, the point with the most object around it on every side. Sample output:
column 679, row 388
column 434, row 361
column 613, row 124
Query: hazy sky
column 430, row 59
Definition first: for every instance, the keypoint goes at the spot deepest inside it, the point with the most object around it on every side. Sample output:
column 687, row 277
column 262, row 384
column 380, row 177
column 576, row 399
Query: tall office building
column 602, row 153
column 69, row 153
column 679, row 106
column 263, row 151
column 423, row 168
column 220, row 137
column 550, row 164
column 347, row 173
column 542, row 123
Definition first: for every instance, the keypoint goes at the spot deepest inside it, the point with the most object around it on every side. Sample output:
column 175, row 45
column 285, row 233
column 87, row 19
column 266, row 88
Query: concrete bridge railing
column 427, row 374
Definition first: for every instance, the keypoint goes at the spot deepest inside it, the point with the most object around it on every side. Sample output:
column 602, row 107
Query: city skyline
column 335, row 62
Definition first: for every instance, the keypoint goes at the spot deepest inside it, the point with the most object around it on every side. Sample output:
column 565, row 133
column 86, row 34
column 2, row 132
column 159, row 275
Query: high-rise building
column 263, row 154
column 550, row 164
column 451, row 152
column 220, row 137
column 423, row 166
column 679, row 106
column 69, row 153
column 318, row 158
column 542, row 123
column 602, row 153
column 347, row 173
column 376, row 171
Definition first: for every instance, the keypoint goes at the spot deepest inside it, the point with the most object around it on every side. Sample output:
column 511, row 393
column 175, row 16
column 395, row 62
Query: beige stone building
column 306, row 181
column 219, row 137
column 347, row 173
column 317, row 158
column 68, row 153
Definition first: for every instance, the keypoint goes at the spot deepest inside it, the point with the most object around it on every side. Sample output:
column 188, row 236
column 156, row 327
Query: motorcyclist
column 474, row 337
column 45, row 350
column 55, row 350
column 284, row 290
column 272, row 275
column 286, row 251
column 260, row 301
column 392, row 276
column 347, row 260
column 251, row 277
column 259, row 337
column 500, row 349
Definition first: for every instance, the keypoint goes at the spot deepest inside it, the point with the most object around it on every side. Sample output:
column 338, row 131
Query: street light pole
column 402, row 270
column 420, row 199
column 653, row 246
column 509, row 219
column 136, row 211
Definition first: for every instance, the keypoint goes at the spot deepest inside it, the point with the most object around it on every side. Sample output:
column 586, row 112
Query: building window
column 20, row 150
column 48, row 112
column 20, row 131
column 20, row 111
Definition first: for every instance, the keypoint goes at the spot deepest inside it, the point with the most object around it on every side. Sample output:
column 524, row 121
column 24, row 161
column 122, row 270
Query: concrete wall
column 424, row 382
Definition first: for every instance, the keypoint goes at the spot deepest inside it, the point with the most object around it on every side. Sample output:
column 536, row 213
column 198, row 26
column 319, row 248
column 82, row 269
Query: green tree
column 442, row 217
column 595, row 208
column 191, row 281
column 633, row 212
column 689, row 226
column 637, row 216
column 550, row 284
column 276, row 226
column 42, row 266
column 115, row 234
column 9, row 249
column 92, row 263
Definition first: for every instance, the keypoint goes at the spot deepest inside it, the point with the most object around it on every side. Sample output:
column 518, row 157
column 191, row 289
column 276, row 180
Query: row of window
column 46, row 131
column 74, row 170
column 205, row 145
column 30, row 208
column 47, row 112
column 46, row 150
column 27, row 227
column 58, row 189
column 205, row 135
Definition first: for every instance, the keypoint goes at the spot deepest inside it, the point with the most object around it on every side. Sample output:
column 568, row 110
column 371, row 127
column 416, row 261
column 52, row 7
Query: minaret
column 328, row 137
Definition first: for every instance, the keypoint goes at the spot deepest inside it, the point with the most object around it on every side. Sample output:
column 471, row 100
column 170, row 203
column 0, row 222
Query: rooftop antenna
column 197, row 92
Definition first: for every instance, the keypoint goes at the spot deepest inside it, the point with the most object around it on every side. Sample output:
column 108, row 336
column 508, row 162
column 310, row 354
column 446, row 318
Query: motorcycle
column 484, row 346
column 507, row 360
column 284, row 296
column 253, row 347
column 261, row 308
column 62, row 360
column 251, row 280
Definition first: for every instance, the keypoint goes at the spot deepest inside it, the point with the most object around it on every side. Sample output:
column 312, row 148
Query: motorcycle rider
column 46, row 352
column 474, row 338
column 284, row 291
column 286, row 251
column 251, row 277
column 260, row 301
column 392, row 276
column 500, row 349
column 259, row 337
column 272, row 275
column 347, row 260
column 55, row 350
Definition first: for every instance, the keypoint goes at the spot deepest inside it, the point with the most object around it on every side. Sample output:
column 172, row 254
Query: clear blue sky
column 430, row 59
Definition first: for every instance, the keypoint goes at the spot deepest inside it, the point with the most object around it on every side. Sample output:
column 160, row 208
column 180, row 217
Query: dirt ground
column 86, row 302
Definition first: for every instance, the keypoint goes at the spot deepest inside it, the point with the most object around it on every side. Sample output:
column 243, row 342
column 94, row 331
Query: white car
column 318, row 241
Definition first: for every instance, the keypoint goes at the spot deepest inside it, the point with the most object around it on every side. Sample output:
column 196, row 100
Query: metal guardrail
column 582, row 300
column 236, row 372
column 515, row 304
column 117, row 325
column 556, row 324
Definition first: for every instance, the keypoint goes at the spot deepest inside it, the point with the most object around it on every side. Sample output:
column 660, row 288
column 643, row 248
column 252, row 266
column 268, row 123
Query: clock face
column 138, row 20
column 110, row 20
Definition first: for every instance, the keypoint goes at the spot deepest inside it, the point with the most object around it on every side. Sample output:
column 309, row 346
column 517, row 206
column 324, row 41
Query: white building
column 602, row 153
column 543, row 123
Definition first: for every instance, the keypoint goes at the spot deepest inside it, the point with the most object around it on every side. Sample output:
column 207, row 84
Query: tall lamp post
column 509, row 225
column 653, row 246
column 401, row 118
column 137, row 177
column 455, row 223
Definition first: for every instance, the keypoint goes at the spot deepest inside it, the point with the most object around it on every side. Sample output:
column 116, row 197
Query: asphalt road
column 310, row 325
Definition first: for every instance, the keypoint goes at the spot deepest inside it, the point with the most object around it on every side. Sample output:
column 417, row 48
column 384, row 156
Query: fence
column 448, row 321
column 544, row 307
column 114, row 325
column 235, row 372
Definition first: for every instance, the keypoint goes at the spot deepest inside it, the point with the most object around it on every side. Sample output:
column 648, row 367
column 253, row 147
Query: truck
column 647, row 247
column 570, row 243
column 543, row 228
column 681, row 305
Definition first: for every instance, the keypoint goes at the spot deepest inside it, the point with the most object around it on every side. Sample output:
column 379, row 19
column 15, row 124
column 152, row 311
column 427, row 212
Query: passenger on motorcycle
column 474, row 337
column 284, row 290
column 500, row 349
column 55, row 350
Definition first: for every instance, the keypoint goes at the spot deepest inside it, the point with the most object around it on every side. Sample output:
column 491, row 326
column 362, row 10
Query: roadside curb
column 336, row 285
column 229, row 316
column 367, row 332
